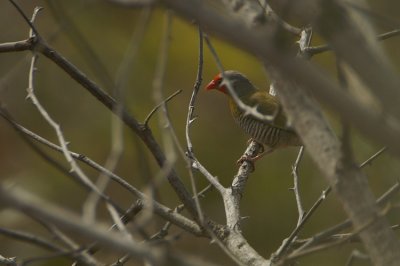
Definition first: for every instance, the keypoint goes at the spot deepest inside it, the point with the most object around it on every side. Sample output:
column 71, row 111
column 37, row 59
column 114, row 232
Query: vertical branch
column 189, row 120
column 304, row 42
column 300, row 208
column 190, row 117
column 194, row 163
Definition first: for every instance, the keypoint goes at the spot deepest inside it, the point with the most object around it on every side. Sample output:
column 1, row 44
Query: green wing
column 268, row 105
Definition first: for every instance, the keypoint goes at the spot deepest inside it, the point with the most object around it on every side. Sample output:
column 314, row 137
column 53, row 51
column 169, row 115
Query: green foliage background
column 268, row 203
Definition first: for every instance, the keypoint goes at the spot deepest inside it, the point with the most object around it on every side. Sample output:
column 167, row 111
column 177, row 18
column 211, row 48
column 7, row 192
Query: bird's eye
column 218, row 82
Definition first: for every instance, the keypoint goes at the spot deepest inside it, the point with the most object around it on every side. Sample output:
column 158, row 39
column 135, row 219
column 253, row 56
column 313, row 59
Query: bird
column 272, row 133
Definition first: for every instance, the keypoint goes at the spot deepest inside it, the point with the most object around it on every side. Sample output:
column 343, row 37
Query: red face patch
column 215, row 84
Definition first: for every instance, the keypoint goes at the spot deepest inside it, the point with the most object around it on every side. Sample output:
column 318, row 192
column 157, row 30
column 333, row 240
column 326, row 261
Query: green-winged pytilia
column 273, row 133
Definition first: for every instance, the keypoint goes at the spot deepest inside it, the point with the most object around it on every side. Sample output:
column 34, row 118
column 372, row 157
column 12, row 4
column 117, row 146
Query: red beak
column 212, row 85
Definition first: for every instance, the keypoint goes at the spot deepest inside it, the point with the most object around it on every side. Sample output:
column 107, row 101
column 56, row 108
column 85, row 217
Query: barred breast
column 266, row 133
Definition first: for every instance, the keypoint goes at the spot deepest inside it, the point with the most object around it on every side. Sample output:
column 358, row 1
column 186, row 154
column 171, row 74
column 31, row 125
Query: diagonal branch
column 159, row 209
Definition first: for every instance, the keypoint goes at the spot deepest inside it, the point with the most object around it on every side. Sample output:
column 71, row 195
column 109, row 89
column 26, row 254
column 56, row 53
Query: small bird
column 273, row 134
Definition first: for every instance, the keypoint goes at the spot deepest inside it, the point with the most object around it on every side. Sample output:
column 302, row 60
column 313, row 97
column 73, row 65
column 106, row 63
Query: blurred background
column 268, row 203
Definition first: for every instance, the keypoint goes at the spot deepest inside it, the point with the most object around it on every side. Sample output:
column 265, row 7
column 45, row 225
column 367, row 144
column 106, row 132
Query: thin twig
column 287, row 243
column 27, row 20
column 300, row 208
column 163, row 232
column 178, row 209
column 194, row 163
column 30, row 238
column 335, row 237
column 80, row 42
column 370, row 159
column 199, row 78
column 271, row 14
column 43, row 243
column 313, row 250
column 118, row 223
column 154, row 110
column 53, row 255
column 82, row 255
column 339, row 240
column 190, row 118
column 324, row 48
column 132, row 211
column 383, row 199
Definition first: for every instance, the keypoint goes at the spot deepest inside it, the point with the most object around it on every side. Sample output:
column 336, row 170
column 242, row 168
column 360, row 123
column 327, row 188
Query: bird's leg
column 262, row 152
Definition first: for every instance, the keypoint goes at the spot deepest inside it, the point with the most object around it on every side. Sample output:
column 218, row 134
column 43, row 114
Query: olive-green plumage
column 274, row 134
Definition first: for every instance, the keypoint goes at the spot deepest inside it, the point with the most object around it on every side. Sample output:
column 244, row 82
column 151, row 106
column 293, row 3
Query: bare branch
column 373, row 157
column 27, row 20
column 81, row 255
column 160, row 209
column 300, row 208
column 288, row 242
column 30, row 238
column 233, row 194
column 154, row 110
column 347, row 224
column 324, row 48
column 25, row 202
column 194, row 162
column 63, row 143
column 8, row 261
column 16, row 46
column 189, row 121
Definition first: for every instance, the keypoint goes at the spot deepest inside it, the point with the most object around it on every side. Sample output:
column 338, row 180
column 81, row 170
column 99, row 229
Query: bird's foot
column 247, row 159
column 251, row 160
